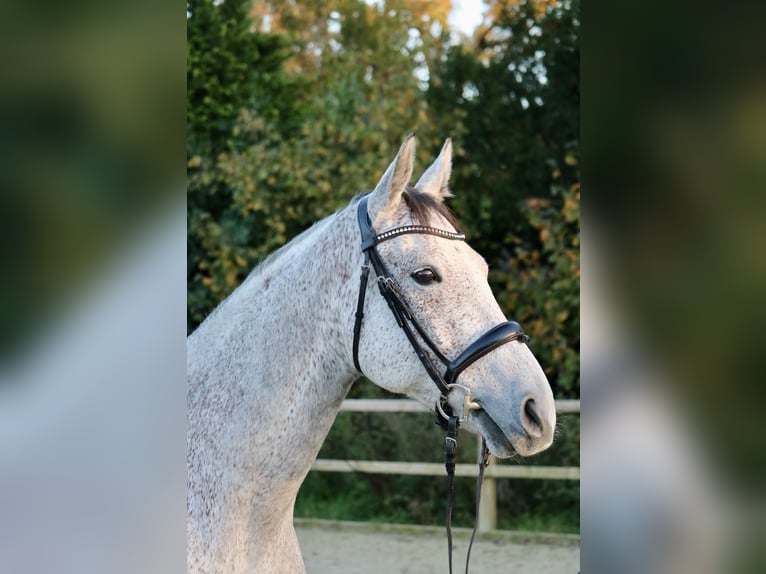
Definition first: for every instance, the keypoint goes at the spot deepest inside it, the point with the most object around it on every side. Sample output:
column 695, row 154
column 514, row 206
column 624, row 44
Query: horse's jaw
column 504, row 444
column 516, row 416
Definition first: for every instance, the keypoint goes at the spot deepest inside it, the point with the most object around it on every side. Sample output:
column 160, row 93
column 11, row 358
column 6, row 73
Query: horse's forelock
column 422, row 205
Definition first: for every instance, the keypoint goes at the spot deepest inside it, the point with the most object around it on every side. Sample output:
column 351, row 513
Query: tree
column 229, row 68
column 262, row 171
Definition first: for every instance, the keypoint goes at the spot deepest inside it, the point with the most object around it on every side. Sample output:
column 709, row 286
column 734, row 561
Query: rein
column 445, row 416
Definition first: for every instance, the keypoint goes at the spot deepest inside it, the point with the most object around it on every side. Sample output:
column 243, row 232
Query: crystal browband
column 380, row 237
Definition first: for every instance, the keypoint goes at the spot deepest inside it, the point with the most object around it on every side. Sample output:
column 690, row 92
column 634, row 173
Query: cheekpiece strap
column 388, row 290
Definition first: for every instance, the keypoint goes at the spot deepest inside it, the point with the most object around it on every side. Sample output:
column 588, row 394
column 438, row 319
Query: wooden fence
column 488, row 509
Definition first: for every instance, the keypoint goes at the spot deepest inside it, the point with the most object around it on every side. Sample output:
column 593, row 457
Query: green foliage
column 278, row 168
column 230, row 68
column 283, row 128
column 540, row 283
column 513, row 106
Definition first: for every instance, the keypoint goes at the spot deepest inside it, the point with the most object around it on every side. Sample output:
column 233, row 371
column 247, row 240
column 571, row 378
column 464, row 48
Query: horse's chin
column 497, row 442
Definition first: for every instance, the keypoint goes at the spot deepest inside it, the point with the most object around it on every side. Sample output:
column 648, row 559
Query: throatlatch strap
column 360, row 308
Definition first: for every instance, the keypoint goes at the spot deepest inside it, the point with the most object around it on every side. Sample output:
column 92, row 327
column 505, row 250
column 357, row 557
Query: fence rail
column 564, row 406
column 488, row 511
column 437, row 469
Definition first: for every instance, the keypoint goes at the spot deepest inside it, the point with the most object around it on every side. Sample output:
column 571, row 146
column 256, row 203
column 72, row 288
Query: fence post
column 488, row 504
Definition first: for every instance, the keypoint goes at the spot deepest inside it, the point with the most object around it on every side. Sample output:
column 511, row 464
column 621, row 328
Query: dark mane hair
column 421, row 204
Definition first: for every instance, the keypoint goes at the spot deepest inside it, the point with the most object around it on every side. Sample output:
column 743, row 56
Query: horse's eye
column 425, row 276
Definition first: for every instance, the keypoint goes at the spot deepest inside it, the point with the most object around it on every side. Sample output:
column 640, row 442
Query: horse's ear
column 386, row 196
column 436, row 178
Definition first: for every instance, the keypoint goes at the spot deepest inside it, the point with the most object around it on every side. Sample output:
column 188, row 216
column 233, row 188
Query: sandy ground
column 352, row 548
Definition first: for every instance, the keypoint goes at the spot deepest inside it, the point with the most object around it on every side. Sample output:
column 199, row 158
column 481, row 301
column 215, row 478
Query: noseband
column 446, row 381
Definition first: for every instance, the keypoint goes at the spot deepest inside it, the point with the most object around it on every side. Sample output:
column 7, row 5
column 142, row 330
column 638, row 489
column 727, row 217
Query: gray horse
column 269, row 368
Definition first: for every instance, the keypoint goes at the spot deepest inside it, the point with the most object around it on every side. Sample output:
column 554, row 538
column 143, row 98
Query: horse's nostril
column 531, row 416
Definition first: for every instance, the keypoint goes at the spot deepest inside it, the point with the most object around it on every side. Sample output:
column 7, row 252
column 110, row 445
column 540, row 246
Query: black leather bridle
column 446, row 381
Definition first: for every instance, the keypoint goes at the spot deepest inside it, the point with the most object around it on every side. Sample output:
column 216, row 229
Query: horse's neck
column 267, row 374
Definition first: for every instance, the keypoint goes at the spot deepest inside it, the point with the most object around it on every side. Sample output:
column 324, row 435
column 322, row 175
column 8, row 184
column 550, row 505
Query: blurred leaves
column 91, row 142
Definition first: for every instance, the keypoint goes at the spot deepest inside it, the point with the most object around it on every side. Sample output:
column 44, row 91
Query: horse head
column 501, row 392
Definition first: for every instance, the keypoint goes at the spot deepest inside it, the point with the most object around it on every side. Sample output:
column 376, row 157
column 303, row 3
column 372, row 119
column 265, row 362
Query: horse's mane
column 422, row 204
